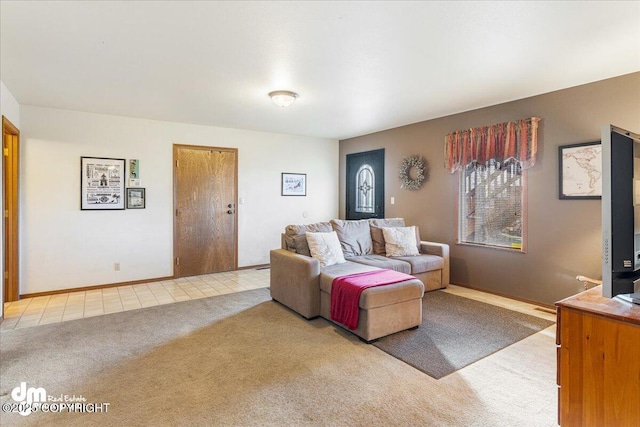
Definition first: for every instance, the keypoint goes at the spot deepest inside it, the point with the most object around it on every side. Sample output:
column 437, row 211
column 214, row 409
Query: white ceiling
column 359, row 67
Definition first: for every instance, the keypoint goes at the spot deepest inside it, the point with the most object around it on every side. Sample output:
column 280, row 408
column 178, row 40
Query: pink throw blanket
column 346, row 290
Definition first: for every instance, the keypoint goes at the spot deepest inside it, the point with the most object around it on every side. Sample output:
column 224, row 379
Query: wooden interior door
column 205, row 224
column 10, row 174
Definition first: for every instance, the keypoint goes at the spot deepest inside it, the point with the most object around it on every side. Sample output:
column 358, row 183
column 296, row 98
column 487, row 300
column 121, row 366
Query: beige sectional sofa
column 299, row 282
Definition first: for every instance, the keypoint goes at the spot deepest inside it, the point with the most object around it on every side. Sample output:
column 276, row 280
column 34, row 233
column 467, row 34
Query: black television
column 620, row 211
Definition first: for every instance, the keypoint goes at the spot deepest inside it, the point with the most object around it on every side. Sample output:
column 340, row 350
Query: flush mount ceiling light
column 283, row 98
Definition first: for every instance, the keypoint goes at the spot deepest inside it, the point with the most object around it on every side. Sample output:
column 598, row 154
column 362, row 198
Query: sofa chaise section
column 384, row 310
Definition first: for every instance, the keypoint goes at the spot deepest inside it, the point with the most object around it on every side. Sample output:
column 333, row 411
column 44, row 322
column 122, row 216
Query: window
column 365, row 189
column 491, row 162
column 491, row 208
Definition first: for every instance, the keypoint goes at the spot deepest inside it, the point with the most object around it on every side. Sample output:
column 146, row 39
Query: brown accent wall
column 564, row 235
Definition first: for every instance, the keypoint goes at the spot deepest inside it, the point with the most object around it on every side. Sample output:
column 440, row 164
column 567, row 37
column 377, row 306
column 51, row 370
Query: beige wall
column 564, row 235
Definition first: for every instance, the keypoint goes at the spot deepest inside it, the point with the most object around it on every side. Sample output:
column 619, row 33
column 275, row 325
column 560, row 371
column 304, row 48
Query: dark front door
column 365, row 185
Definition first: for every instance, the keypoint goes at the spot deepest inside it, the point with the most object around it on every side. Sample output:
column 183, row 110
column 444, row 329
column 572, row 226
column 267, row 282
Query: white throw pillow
column 325, row 247
column 400, row 241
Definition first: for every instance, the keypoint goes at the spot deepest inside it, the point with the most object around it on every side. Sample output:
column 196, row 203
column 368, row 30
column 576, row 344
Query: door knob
column 231, row 211
column 230, row 205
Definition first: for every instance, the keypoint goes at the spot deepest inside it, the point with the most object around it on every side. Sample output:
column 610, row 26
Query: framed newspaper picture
column 101, row 183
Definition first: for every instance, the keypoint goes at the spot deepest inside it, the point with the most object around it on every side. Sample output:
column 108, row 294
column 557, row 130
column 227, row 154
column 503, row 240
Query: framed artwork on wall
column 101, row 183
column 136, row 198
column 134, row 168
column 580, row 171
column 294, row 184
column 134, row 173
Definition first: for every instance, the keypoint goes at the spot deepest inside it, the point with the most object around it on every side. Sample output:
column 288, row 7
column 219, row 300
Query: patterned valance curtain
column 497, row 143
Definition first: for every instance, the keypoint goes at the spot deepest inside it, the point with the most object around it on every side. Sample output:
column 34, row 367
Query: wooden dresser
column 598, row 361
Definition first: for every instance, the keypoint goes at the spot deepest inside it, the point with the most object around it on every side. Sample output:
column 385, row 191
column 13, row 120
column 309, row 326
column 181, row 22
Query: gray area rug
column 456, row 332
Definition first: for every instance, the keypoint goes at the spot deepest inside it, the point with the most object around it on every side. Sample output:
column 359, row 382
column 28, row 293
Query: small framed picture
column 580, row 171
column 294, row 184
column 134, row 168
column 135, row 198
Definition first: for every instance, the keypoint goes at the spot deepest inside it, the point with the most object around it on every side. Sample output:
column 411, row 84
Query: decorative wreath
column 407, row 164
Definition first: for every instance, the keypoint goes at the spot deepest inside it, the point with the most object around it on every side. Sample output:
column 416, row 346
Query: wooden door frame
column 177, row 147
column 10, row 236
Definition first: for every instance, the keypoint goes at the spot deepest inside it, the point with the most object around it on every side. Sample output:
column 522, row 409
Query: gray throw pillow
column 302, row 246
column 291, row 231
column 354, row 236
column 377, row 238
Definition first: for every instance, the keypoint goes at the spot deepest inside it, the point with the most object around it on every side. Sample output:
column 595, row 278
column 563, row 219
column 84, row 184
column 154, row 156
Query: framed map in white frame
column 580, row 170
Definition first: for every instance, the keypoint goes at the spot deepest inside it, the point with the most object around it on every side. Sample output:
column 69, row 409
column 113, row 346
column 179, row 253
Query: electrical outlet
column 116, row 266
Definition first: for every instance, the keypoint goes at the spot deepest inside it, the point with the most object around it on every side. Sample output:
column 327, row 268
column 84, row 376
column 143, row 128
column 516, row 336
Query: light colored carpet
column 244, row 360
column 456, row 332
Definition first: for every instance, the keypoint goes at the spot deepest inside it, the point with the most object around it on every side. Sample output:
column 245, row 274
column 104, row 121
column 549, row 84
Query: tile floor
column 76, row 305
